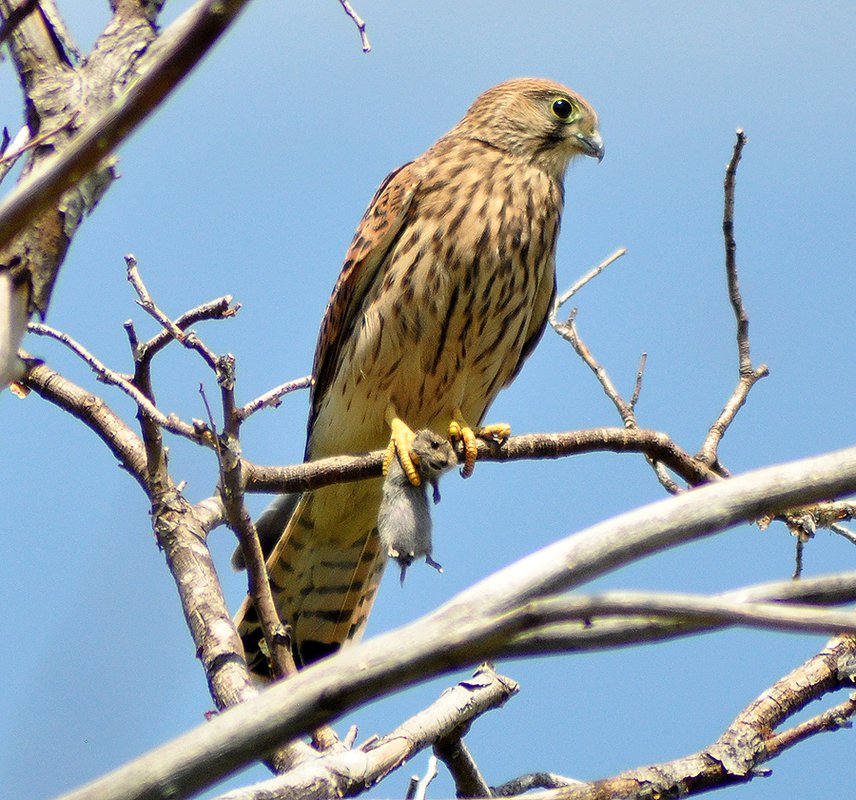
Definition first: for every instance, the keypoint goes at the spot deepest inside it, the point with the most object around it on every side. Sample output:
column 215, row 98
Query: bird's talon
column 462, row 431
column 497, row 432
column 400, row 442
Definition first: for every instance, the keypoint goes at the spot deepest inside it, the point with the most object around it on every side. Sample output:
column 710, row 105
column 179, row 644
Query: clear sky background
column 250, row 181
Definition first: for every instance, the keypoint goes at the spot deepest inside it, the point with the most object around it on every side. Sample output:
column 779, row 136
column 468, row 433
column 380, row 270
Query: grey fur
column 404, row 519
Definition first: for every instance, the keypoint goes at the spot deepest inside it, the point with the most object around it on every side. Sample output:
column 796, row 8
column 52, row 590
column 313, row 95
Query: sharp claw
column 460, row 430
column 471, row 450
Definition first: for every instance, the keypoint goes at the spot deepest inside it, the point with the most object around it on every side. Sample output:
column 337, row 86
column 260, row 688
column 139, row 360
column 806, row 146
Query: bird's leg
column 400, row 442
column 458, row 429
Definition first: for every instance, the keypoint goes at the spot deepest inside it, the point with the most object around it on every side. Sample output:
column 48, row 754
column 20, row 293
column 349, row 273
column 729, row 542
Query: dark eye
column 562, row 108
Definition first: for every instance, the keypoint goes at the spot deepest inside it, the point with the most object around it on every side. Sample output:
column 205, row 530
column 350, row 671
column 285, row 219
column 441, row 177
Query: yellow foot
column 458, row 429
column 400, row 442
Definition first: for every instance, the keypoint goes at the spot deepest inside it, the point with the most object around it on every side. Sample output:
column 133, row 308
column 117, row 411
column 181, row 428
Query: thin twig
column 842, row 531
column 425, row 780
column 748, row 375
column 568, row 331
column 188, row 338
column 106, row 375
column 273, row 398
column 361, row 26
column 637, row 389
column 799, row 547
column 745, row 359
column 835, row 718
column 220, row 308
column 20, row 140
column 590, row 275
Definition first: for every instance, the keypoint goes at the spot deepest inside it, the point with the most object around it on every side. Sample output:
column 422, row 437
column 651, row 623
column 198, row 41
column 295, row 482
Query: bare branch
column 624, row 632
column 19, row 144
column 534, row 780
column 837, row 717
column 469, row 782
column 273, row 398
column 171, row 423
column 361, row 26
column 421, row 788
column 94, row 413
column 15, row 17
column 748, row 743
column 744, row 357
column 188, row 339
column 471, row 627
column 589, row 276
column 687, row 607
column 748, row 375
column 568, row 331
column 10, row 158
column 180, row 48
column 637, row 389
column 337, row 469
column 842, row 531
column 344, row 773
column 275, row 634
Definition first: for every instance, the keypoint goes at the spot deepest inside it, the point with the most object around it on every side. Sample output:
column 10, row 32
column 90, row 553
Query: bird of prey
column 443, row 294
column 404, row 519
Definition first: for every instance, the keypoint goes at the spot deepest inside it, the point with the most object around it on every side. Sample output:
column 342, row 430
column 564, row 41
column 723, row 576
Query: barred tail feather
column 324, row 573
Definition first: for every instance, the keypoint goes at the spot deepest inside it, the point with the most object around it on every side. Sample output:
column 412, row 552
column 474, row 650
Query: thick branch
column 746, row 745
column 344, row 774
column 618, row 632
column 471, row 627
column 692, row 608
column 93, row 412
column 179, row 50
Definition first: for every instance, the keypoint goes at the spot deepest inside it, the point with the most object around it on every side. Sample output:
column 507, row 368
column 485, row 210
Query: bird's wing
column 537, row 323
column 323, row 586
column 377, row 232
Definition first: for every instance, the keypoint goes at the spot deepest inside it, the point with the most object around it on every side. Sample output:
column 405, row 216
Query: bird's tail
column 324, row 573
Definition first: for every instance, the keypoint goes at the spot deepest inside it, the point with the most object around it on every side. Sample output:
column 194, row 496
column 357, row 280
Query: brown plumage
column 444, row 292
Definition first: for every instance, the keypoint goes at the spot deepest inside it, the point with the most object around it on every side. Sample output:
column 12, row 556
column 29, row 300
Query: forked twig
column 748, row 375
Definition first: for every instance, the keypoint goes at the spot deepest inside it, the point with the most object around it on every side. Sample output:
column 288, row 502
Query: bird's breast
column 444, row 323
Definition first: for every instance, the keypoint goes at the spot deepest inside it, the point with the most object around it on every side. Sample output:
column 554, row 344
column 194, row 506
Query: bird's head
column 537, row 119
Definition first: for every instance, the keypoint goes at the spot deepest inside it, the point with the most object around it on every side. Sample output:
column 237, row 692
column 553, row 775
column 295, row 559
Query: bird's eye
column 562, row 108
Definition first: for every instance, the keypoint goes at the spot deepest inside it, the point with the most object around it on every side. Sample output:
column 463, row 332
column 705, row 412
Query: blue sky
column 250, row 182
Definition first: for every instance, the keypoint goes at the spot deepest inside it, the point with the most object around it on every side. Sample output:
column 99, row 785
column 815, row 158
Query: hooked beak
column 592, row 145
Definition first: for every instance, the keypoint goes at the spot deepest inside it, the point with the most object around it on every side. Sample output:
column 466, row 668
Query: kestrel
column 444, row 292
